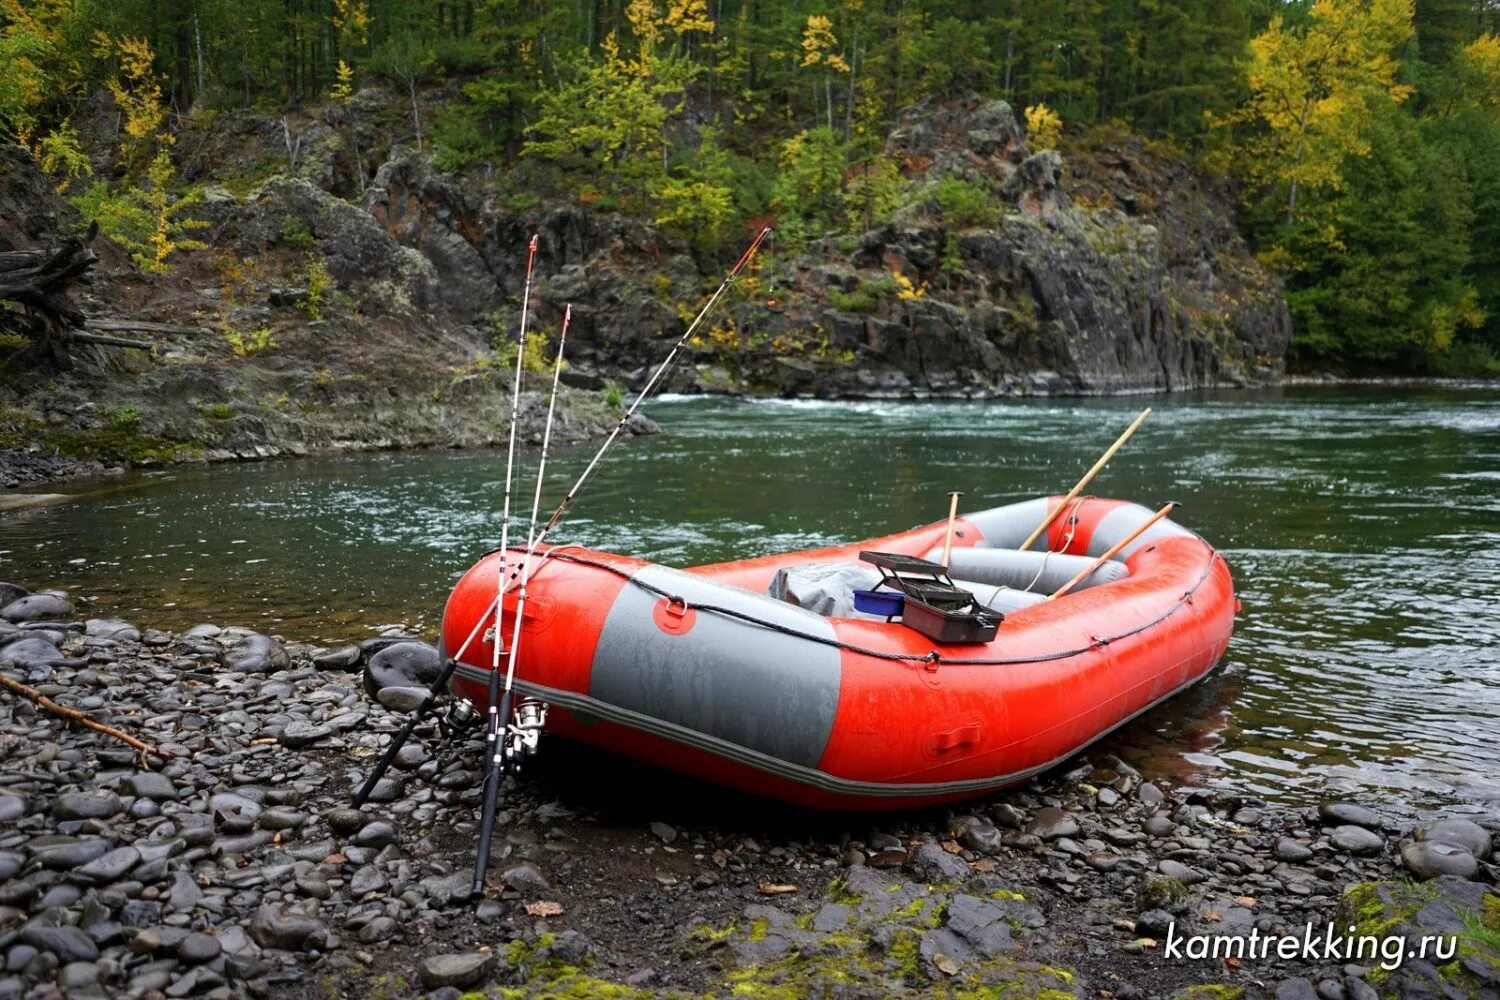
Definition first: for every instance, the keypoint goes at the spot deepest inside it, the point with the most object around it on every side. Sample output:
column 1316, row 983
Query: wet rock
column 198, row 948
column 256, row 654
column 982, row 838
column 1356, row 840
column 1163, row 893
column 402, row 699
column 85, row 805
column 298, row 735
column 1288, row 849
column 151, row 785
column 376, row 834
column 344, row 820
column 31, row 652
column 983, row 926
column 402, row 664
column 109, row 867
column 281, row 818
column 379, row 929
column 1050, row 822
column 459, row 971
column 1427, row 859
column 234, row 813
column 1296, row 989
column 1008, row 817
column 1154, row 923
column 11, row 592
column 568, row 947
column 367, row 880
column 661, row 831
column 1349, row 814
column 60, row 853
column 341, row 659
column 140, row 913
column 287, row 929
column 1459, row 832
column 526, row 878
column 1179, row 872
column 37, row 608
column 112, row 628
column 68, row 943
column 12, row 806
column 935, row 866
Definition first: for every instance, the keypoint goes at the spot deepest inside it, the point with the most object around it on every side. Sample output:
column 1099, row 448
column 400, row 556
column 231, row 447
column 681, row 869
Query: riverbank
column 234, row 867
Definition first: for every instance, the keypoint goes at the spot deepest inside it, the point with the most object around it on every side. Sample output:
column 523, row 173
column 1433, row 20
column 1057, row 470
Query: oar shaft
column 1115, row 549
column 1087, row 478
column 952, row 519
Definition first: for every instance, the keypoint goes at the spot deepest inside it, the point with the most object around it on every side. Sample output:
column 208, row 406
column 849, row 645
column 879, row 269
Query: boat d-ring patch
column 673, row 616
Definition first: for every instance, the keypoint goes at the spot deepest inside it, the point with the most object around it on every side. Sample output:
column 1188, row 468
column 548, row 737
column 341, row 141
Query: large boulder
column 402, row 665
column 427, row 211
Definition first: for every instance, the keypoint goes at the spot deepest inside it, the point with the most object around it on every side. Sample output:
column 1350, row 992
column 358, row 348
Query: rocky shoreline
column 235, row 866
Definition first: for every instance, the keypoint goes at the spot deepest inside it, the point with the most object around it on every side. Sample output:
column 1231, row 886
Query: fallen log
column 142, row 326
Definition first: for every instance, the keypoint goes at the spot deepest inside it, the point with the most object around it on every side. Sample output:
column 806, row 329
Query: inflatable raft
column 762, row 675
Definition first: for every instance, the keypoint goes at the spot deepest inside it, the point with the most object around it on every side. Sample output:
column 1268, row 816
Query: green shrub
column 251, row 343
column 965, row 204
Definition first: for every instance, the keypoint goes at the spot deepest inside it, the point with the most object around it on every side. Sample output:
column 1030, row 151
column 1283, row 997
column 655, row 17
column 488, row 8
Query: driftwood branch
column 141, row 326
column 108, row 341
column 74, row 715
column 39, row 281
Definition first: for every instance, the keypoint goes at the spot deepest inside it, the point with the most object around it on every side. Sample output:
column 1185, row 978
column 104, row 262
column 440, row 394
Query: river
column 1362, row 527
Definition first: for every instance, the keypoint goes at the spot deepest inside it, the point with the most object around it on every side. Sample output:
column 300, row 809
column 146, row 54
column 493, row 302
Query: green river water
column 1362, row 527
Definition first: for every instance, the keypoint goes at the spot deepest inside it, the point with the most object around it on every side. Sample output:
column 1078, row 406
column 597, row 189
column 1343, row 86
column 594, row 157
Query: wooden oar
column 1166, row 509
column 1087, row 478
column 952, row 517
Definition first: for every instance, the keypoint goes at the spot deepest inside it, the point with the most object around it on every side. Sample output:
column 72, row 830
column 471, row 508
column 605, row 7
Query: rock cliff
column 353, row 296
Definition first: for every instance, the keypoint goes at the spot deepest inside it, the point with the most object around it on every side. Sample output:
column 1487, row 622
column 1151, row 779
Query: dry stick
column 74, row 715
column 1087, row 478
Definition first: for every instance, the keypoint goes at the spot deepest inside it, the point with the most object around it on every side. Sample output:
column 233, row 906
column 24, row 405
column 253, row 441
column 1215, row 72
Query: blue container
column 879, row 602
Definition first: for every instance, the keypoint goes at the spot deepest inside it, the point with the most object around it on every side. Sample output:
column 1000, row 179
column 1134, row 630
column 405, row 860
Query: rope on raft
column 932, row 657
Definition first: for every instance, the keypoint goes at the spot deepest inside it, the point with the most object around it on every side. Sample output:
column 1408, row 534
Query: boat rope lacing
column 931, row 658
column 1072, row 522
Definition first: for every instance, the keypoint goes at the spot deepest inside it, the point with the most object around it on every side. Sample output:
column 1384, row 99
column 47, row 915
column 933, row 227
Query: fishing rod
column 1087, row 478
column 429, row 698
column 495, row 773
column 1114, row 550
column 496, row 728
column 562, row 508
column 441, row 682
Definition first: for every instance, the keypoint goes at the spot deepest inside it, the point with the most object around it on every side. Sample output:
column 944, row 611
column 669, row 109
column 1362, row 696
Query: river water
column 1362, row 527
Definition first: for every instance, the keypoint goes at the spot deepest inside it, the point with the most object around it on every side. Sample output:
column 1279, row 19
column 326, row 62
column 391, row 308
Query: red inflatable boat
column 762, row 675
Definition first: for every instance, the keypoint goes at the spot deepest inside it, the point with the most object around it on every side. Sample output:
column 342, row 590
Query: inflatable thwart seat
column 757, row 674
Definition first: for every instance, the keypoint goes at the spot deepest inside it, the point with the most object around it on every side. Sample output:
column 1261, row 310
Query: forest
column 1363, row 136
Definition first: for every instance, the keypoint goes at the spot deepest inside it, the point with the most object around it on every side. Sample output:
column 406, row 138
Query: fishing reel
column 524, row 733
column 461, row 717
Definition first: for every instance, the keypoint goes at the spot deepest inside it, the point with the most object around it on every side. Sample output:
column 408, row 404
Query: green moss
column 1162, row 894
column 839, row 892
column 1008, row 894
column 759, row 927
column 708, row 934
column 121, row 441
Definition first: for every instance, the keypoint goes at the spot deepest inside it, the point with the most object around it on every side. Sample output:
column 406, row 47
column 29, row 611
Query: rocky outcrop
column 344, row 305
column 1129, row 278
